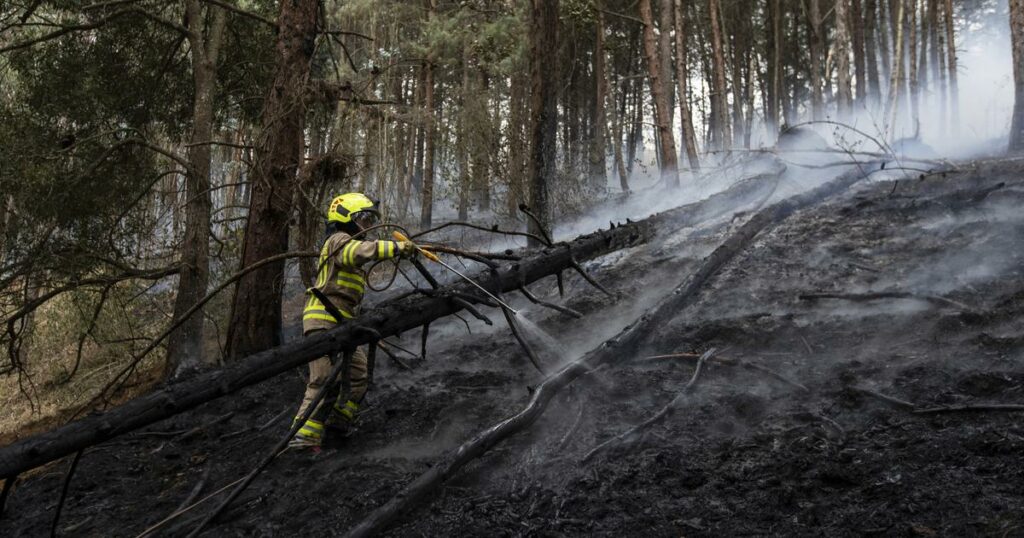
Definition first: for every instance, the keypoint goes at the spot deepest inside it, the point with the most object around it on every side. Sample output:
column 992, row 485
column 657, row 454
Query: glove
column 407, row 249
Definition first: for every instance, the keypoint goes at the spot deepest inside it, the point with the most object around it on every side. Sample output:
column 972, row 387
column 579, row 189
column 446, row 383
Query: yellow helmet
column 345, row 207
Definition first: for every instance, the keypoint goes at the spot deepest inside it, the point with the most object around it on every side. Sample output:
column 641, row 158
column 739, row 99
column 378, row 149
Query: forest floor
column 744, row 455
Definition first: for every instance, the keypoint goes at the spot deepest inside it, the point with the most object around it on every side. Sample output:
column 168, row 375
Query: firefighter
column 342, row 280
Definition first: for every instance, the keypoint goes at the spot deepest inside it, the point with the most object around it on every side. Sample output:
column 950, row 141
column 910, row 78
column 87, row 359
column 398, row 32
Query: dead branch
column 194, row 494
column 874, row 296
column 493, row 229
column 504, row 256
column 127, row 370
column 954, row 408
column 394, row 358
column 535, row 300
column 903, row 404
column 735, row 362
column 64, row 492
column 631, row 433
column 624, row 343
column 6, row 492
column 969, row 408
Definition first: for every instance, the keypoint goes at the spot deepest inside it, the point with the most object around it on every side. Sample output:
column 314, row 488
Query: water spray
column 436, row 259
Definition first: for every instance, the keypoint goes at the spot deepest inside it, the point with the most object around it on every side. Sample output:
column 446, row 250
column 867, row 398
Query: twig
column 394, row 358
column 969, row 408
column 194, row 494
column 563, row 309
column 494, row 229
column 64, row 492
column 735, row 362
column 660, row 415
column 934, row 299
column 423, row 341
column 178, row 513
column 888, row 399
column 6, row 492
column 273, row 421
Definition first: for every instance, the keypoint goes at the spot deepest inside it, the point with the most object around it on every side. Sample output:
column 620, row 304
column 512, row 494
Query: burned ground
column 743, row 454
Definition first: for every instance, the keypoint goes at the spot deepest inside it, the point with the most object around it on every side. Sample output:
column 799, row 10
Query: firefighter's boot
column 310, row 435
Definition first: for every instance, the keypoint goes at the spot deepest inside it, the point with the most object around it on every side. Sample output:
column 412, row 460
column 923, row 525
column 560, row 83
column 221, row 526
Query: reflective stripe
column 319, row 315
column 348, row 254
column 347, row 284
column 391, row 249
column 313, row 424
column 352, row 276
column 380, row 249
column 305, row 432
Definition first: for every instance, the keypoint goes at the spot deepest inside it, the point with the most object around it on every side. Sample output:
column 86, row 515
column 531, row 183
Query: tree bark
column 817, row 40
column 842, row 51
column 185, row 345
column 598, row 174
column 871, row 53
column 544, row 75
column 915, row 85
column 659, row 94
column 430, row 132
column 1017, row 39
column 720, row 132
column 896, row 81
column 859, row 67
column 683, row 81
column 774, row 55
column 256, row 307
column 954, row 86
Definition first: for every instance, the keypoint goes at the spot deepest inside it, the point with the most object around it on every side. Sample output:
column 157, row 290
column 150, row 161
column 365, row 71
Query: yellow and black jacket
column 341, row 278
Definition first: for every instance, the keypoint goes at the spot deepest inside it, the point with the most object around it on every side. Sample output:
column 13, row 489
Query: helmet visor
column 365, row 219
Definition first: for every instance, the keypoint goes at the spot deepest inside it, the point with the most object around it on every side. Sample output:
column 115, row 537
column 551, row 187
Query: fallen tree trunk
column 385, row 320
column 624, row 344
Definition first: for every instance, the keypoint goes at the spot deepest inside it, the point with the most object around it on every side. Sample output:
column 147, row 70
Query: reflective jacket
column 341, row 278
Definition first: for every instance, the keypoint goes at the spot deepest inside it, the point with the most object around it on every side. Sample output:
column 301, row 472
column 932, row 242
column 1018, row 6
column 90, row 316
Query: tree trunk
column 1017, row 38
column 915, row 87
column 430, row 132
column 544, row 75
column 683, row 81
column 256, row 307
column 598, row 174
column 857, row 16
column 871, row 53
column 617, row 121
column 774, row 92
column 737, row 82
column 720, row 135
column 842, row 51
column 185, row 346
column 817, row 40
column 896, row 82
column 885, row 46
column 954, row 87
column 666, row 139
column 463, row 143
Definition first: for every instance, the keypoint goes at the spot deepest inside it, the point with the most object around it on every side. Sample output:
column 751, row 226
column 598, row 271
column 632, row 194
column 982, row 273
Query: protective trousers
column 319, row 371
